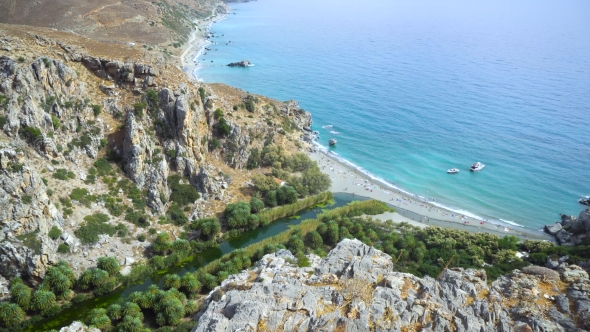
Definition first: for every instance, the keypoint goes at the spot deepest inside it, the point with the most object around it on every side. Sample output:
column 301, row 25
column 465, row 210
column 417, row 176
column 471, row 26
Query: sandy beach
column 411, row 209
column 197, row 43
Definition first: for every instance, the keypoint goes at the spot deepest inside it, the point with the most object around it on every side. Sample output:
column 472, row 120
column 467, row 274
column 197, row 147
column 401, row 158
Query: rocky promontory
column 571, row 231
column 243, row 63
column 354, row 288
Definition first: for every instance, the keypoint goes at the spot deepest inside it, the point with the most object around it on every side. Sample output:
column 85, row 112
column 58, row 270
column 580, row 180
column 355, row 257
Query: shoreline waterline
column 353, row 180
column 461, row 216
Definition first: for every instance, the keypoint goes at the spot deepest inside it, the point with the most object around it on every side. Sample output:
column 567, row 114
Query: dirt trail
column 99, row 9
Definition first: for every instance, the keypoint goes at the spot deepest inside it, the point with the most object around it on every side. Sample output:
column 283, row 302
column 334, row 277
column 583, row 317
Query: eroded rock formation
column 355, row 289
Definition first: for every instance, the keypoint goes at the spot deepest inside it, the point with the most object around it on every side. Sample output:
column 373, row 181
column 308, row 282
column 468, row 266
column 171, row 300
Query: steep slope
column 79, row 117
column 355, row 289
column 163, row 23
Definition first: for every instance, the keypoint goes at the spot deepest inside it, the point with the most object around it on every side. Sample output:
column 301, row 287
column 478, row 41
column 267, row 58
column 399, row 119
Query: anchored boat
column 453, row 171
column 477, row 167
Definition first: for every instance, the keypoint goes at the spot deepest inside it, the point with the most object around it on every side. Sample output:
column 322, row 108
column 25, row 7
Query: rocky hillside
column 354, row 289
column 161, row 24
column 93, row 129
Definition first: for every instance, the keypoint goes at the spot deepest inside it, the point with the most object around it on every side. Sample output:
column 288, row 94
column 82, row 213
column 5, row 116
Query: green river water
column 79, row 311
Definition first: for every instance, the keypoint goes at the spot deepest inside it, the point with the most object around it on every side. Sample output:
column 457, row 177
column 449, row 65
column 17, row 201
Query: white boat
column 585, row 200
column 453, row 171
column 332, row 141
column 477, row 167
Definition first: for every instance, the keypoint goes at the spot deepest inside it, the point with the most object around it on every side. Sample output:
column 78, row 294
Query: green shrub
column 108, row 264
column 182, row 194
column 152, row 98
column 63, row 174
column 21, row 59
column 209, row 227
column 271, row 199
column 286, row 195
column 250, row 103
column 218, row 114
column 223, row 128
column 137, row 218
column 236, row 214
column 93, row 226
column 63, row 248
column 47, row 62
column 27, row 199
column 103, row 167
column 83, row 196
column 139, row 107
column 10, row 314
column 31, row 134
column 55, row 122
column 177, row 216
column 214, row 144
column 141, row 237
column 96, row 109
column 21, row 295
column 3, row 120
column 256, row 205
column 54, row 233
column 254, row 159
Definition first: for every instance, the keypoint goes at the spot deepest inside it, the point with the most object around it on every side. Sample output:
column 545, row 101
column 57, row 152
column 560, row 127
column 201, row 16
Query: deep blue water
column 414, row 88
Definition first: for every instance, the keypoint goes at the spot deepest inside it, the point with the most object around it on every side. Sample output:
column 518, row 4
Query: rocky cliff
column 354, row 288
column 571, row 231
column 66, row 102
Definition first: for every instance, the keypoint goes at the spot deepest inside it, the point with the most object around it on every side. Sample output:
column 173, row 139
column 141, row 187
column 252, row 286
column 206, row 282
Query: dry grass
column 416, row 327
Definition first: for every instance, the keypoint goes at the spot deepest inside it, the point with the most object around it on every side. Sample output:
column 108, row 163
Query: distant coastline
column 468, row 213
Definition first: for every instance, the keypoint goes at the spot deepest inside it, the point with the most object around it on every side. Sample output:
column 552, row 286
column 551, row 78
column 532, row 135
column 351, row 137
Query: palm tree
column 21, row 295
column 191, row 307
column 130, row 309
column 85, row 279
column 101, row 322
column 114, row 311
column 130, row 324
column 42, row 300
column 58, row 281
column 10, row 314
column 190, row 283
column 172, row 281
column 108, row 264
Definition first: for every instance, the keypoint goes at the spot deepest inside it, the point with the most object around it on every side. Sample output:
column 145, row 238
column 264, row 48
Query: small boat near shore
column 585, row 200
column 477, row 167
column 453, row 171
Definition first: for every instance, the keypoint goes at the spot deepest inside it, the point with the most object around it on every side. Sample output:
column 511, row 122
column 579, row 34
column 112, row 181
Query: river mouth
column 79, row 311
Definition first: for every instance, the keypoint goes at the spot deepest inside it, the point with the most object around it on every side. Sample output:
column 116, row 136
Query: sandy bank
column 346, row 179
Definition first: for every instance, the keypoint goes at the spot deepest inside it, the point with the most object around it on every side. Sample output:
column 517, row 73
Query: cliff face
column 66, row 101
column 355, row 289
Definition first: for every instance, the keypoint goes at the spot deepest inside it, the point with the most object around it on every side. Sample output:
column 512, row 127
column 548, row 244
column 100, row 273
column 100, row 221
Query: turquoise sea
column 413, row 88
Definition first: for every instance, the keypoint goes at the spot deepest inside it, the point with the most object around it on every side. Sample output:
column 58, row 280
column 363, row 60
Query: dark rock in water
column 571, row 231
column 243, row 63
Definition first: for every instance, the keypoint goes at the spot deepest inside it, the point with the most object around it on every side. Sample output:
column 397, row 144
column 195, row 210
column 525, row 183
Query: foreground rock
column 571, row 231
column 243, row 63
column 355, row 288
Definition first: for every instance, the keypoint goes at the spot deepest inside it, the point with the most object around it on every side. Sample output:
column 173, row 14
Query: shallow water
column 413, row 88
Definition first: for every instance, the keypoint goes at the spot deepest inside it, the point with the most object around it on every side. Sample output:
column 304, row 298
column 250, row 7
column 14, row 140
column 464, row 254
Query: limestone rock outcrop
column 354, row 288
column 26, row 217
column 571, row 231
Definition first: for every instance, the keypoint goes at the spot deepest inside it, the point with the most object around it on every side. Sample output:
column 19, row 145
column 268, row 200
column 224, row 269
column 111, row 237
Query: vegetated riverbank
column 79, row 311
